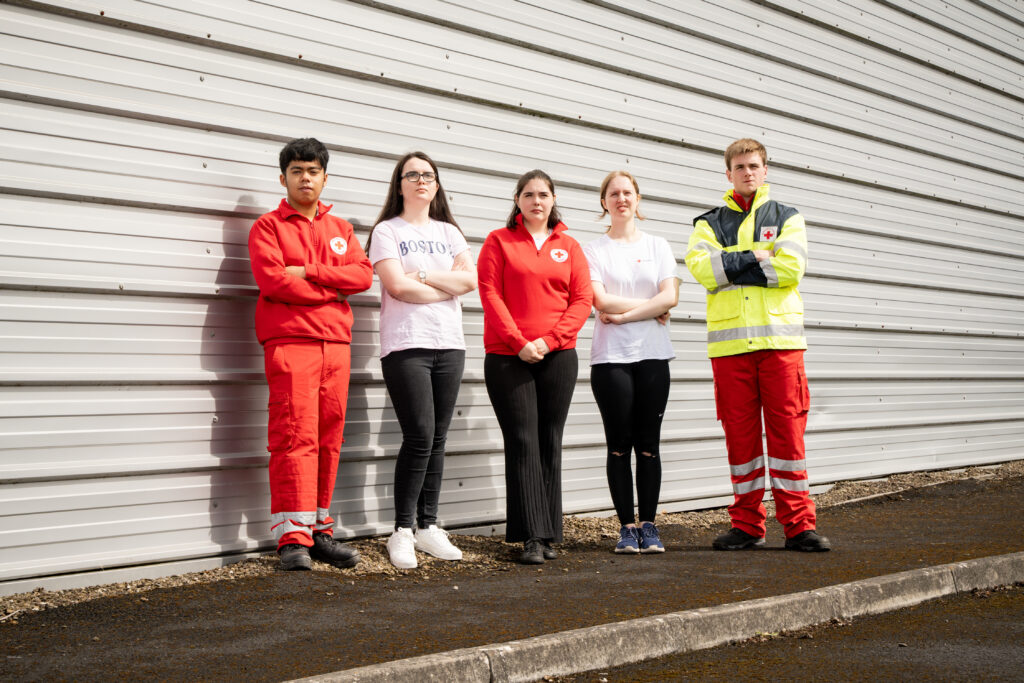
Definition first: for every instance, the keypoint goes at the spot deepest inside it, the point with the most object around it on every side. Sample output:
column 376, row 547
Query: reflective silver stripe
column 282, row 523
column 755, row 331
column 769, row 273
column 747, row 467
column 322, row 515
column 747, row 486
column 787, row 465
column 727, row 288
column 794, row 247
column 717, row 266
column 795, row 485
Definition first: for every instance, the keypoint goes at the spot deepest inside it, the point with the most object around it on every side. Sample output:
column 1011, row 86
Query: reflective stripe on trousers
column 308, row 384
column 772, row 384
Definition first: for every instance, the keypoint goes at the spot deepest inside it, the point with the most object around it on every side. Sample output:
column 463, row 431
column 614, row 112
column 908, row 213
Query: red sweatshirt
column 290, row 308
column 529, row 293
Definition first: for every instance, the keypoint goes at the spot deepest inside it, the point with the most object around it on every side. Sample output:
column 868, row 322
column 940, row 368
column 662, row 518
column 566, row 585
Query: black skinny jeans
column 423, row 385
column 531, row 402
column 632, row 399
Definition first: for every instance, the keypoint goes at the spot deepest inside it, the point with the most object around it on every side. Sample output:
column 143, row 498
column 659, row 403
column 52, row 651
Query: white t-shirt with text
column 433, row 246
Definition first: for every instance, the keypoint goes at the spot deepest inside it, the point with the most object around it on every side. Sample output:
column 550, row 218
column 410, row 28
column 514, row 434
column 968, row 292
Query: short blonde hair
column 744, row 146
column 604, row 188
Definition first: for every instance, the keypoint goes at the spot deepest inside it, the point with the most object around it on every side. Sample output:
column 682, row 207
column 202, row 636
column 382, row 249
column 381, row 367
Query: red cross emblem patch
column 768, row 234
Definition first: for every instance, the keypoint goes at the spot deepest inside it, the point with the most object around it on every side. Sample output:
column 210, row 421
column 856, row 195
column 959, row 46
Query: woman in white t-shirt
column 424, row 265
column 635, row 285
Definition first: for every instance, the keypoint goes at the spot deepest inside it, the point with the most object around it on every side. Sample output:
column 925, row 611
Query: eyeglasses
column 415, row 176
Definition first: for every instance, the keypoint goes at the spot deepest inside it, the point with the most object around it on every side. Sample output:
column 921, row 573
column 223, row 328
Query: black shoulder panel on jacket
column 770, row 218
column 725, row 222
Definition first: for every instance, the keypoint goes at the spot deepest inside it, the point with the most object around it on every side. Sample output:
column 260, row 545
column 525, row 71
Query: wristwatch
column 423, row 276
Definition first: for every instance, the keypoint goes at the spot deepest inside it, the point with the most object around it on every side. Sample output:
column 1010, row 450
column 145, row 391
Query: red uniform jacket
column 290, row 308
column 528, row 293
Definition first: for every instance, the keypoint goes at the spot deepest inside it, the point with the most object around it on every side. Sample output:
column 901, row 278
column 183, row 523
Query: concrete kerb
column 610, row 645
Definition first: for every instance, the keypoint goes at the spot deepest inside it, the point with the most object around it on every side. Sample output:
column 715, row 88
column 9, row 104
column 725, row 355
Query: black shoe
column 533, row 552
column 328, row 550
column 809, row 542
column 548, row 552
column 294, row 557
column 737, row 539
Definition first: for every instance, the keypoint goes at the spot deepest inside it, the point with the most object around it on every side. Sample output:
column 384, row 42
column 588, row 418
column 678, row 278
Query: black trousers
column 531, row 402
column 423, row 385
column 632, row 399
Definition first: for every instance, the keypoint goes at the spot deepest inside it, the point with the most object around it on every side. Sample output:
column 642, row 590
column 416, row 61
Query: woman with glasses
column 535, row 292
column 424, row 265
column 635, row 285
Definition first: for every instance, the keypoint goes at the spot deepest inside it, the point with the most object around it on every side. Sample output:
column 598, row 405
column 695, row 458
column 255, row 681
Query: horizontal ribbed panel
column 138, row 145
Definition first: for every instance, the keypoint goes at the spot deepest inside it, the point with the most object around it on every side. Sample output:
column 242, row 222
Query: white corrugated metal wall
column 139, row 143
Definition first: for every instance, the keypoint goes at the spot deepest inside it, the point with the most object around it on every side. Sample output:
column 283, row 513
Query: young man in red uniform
column 750, row 255
column 306, row 263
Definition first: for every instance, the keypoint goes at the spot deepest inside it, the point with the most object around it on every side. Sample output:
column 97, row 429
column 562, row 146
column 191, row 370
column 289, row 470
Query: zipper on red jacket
column 312, row 232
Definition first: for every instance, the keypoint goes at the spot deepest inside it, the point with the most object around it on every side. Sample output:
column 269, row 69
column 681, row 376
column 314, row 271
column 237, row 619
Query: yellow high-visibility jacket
column 752, row 305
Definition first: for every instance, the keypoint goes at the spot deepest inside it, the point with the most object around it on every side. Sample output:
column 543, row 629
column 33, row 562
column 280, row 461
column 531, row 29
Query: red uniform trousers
column 308, row 394
column 772, row 382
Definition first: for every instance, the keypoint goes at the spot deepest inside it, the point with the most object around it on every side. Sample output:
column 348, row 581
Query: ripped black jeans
column 632, row 399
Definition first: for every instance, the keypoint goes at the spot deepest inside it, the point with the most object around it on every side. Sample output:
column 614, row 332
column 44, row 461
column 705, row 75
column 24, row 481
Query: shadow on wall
column 239, row 497
column 352, row 489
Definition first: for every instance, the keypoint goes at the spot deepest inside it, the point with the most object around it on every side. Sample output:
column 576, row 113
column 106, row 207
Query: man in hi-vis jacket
column 750, row 255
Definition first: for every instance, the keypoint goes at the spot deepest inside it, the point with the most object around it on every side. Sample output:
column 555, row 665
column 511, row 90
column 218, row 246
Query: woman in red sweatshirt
column 535, row 290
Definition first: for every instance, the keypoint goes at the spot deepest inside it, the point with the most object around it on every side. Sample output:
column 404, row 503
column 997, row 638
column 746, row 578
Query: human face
column 536, row 201
column 419, row 191
column 620, row 199
column 304, row 181
column 747, row 174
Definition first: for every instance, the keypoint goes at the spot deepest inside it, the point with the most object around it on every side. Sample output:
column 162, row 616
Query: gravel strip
column 483, row 554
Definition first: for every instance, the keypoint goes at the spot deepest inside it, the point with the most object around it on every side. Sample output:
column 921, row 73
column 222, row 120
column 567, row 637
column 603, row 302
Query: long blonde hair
column 604, row 188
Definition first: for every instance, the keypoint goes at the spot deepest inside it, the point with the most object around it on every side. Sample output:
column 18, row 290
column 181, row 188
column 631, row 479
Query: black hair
column 395, row 204
column 553, row 218
column 303, row 149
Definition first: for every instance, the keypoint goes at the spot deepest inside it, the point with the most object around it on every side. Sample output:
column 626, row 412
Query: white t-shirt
column 434, row 246
column 631, row 270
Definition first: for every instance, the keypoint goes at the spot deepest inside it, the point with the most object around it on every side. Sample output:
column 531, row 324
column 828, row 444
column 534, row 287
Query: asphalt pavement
column 293, row 625
column 975, row 636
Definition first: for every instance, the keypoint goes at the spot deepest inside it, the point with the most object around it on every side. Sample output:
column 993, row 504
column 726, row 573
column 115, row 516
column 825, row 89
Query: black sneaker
column 809, row 542
column 533, row 552
column 548, row 552
column 294, row 557
column 737, row 539
column 326, row 549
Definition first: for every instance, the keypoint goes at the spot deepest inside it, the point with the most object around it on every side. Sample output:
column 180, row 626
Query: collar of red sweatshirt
column 559, row 227
column 287, row 210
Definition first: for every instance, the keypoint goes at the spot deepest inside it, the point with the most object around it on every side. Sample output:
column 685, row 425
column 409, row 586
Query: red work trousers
column 308, row 393
column 772, row 383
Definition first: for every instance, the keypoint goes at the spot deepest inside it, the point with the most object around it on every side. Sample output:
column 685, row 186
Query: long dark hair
column 553, row 218
column 394, row 204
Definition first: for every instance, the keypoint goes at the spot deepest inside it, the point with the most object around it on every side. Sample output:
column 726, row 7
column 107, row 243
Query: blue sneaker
column 649, row 541
column 629, row 540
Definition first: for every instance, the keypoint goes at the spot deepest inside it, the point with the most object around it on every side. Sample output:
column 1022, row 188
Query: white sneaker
column 435, row 542
column 402, row 548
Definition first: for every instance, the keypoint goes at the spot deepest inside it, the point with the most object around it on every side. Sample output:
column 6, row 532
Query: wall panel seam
column 946, row 29
column 775, row 7
column 473, row 99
